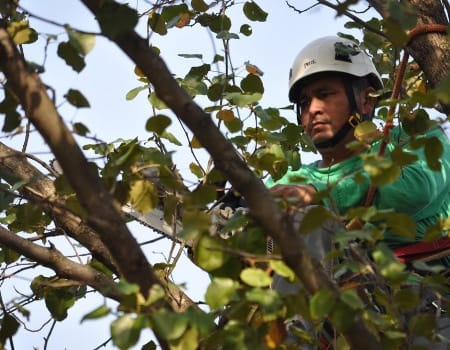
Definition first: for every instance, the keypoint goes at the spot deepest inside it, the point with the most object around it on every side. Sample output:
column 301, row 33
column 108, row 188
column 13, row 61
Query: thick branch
column 103, row 212
column 64, row 267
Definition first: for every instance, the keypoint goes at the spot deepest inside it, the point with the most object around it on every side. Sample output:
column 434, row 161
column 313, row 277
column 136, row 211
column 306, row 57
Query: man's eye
column 304, row 103
column 324, row 94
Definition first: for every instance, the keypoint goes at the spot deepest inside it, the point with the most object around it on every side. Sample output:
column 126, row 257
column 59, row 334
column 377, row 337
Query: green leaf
column 99, row 312
column 416, row 123
column 401, row 157
column 322, row 303
column 395, row 32
column 252, row 83
column 253, row 12
column 210, row 254
column 199, row 5
column 116, row 19
column 219, row 23
column 389, row 266
column 403, row 14
column 241, row 99
column 171, row 138
column 71, row 56
column 8, row 255
column 9, row 327
column 12, row 121
column 169, row 325
column 189, row 340
column 282, row 269
column 60, row 299
column 144, row 196
column 246, row 30
column 269, row 301
column 76, row 98
column 196, row 170
column 125, row 331
column 29, row 218
column 342, row 316
column 202, row 196
column 220, row 292
column 191, row 55
column 156, row 102
column 314, row 218
column 234, row 125
column 226, row 35
column 271, row 120
column 422, row 324
column 172, row 13
column 80, row 129
column 256, row 277
column 407, row 299
column 158, row 123
column 135, row 91
column 433, row 152
column 82, row 42
column 402, row 225
column 157, row 24
column 6, row 197
column 382, row 171
column 350, row 297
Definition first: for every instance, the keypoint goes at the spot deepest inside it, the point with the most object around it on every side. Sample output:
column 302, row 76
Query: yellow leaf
column 367, row 132
column 195, row 143
column 252, row 69
column 144, row 196
column 226, row 115
column 138, row 72
column 21, row 32
column 276, row 333
column 183, row 21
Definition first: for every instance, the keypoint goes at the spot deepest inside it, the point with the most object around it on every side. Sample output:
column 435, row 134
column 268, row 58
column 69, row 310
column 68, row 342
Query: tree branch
column 64, row 267
column 103, row 211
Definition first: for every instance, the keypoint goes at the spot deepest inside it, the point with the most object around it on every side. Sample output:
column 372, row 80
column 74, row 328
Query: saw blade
column 155, row 220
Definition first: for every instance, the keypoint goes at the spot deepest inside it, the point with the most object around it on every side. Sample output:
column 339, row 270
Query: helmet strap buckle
column 354, row 120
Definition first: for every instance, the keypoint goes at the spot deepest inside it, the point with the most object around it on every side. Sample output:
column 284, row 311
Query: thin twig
column 49, row 334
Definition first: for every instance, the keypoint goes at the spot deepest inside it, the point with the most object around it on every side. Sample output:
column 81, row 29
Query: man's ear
column 368, row 101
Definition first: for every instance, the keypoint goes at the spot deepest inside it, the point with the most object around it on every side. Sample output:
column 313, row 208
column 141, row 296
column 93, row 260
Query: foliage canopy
column 82, row 195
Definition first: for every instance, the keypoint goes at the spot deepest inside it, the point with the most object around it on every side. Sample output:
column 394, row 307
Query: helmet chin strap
column 339, row 136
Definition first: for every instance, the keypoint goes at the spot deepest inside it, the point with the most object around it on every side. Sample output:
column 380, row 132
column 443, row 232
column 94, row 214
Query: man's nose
column 315, row 105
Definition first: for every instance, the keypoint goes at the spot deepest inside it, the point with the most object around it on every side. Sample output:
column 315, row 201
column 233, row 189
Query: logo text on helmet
column 309, row 63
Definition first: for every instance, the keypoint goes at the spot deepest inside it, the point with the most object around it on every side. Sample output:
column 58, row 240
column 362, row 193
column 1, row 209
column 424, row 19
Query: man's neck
column 337, row 154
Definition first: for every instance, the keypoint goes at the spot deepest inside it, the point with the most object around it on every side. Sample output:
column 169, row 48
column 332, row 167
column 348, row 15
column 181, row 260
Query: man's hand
column 295, row 195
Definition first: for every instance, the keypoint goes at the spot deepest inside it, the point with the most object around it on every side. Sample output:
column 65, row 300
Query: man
column 333, row 84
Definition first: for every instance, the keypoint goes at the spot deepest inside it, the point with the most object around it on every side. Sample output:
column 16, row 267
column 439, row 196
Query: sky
column 107, row 78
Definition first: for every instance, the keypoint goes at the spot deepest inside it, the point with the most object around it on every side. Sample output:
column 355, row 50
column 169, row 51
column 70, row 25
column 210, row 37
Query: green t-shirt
column 419, row 192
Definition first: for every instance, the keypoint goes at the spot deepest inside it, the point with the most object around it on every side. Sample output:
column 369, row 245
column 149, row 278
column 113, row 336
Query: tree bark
column 430, row 50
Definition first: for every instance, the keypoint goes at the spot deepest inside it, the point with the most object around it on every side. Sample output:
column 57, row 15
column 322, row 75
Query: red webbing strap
column 424, row 251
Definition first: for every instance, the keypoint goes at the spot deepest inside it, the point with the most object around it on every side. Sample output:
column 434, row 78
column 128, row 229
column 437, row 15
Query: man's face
column 324, row 107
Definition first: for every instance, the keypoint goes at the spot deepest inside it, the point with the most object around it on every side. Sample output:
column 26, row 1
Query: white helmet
column 331, row 54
